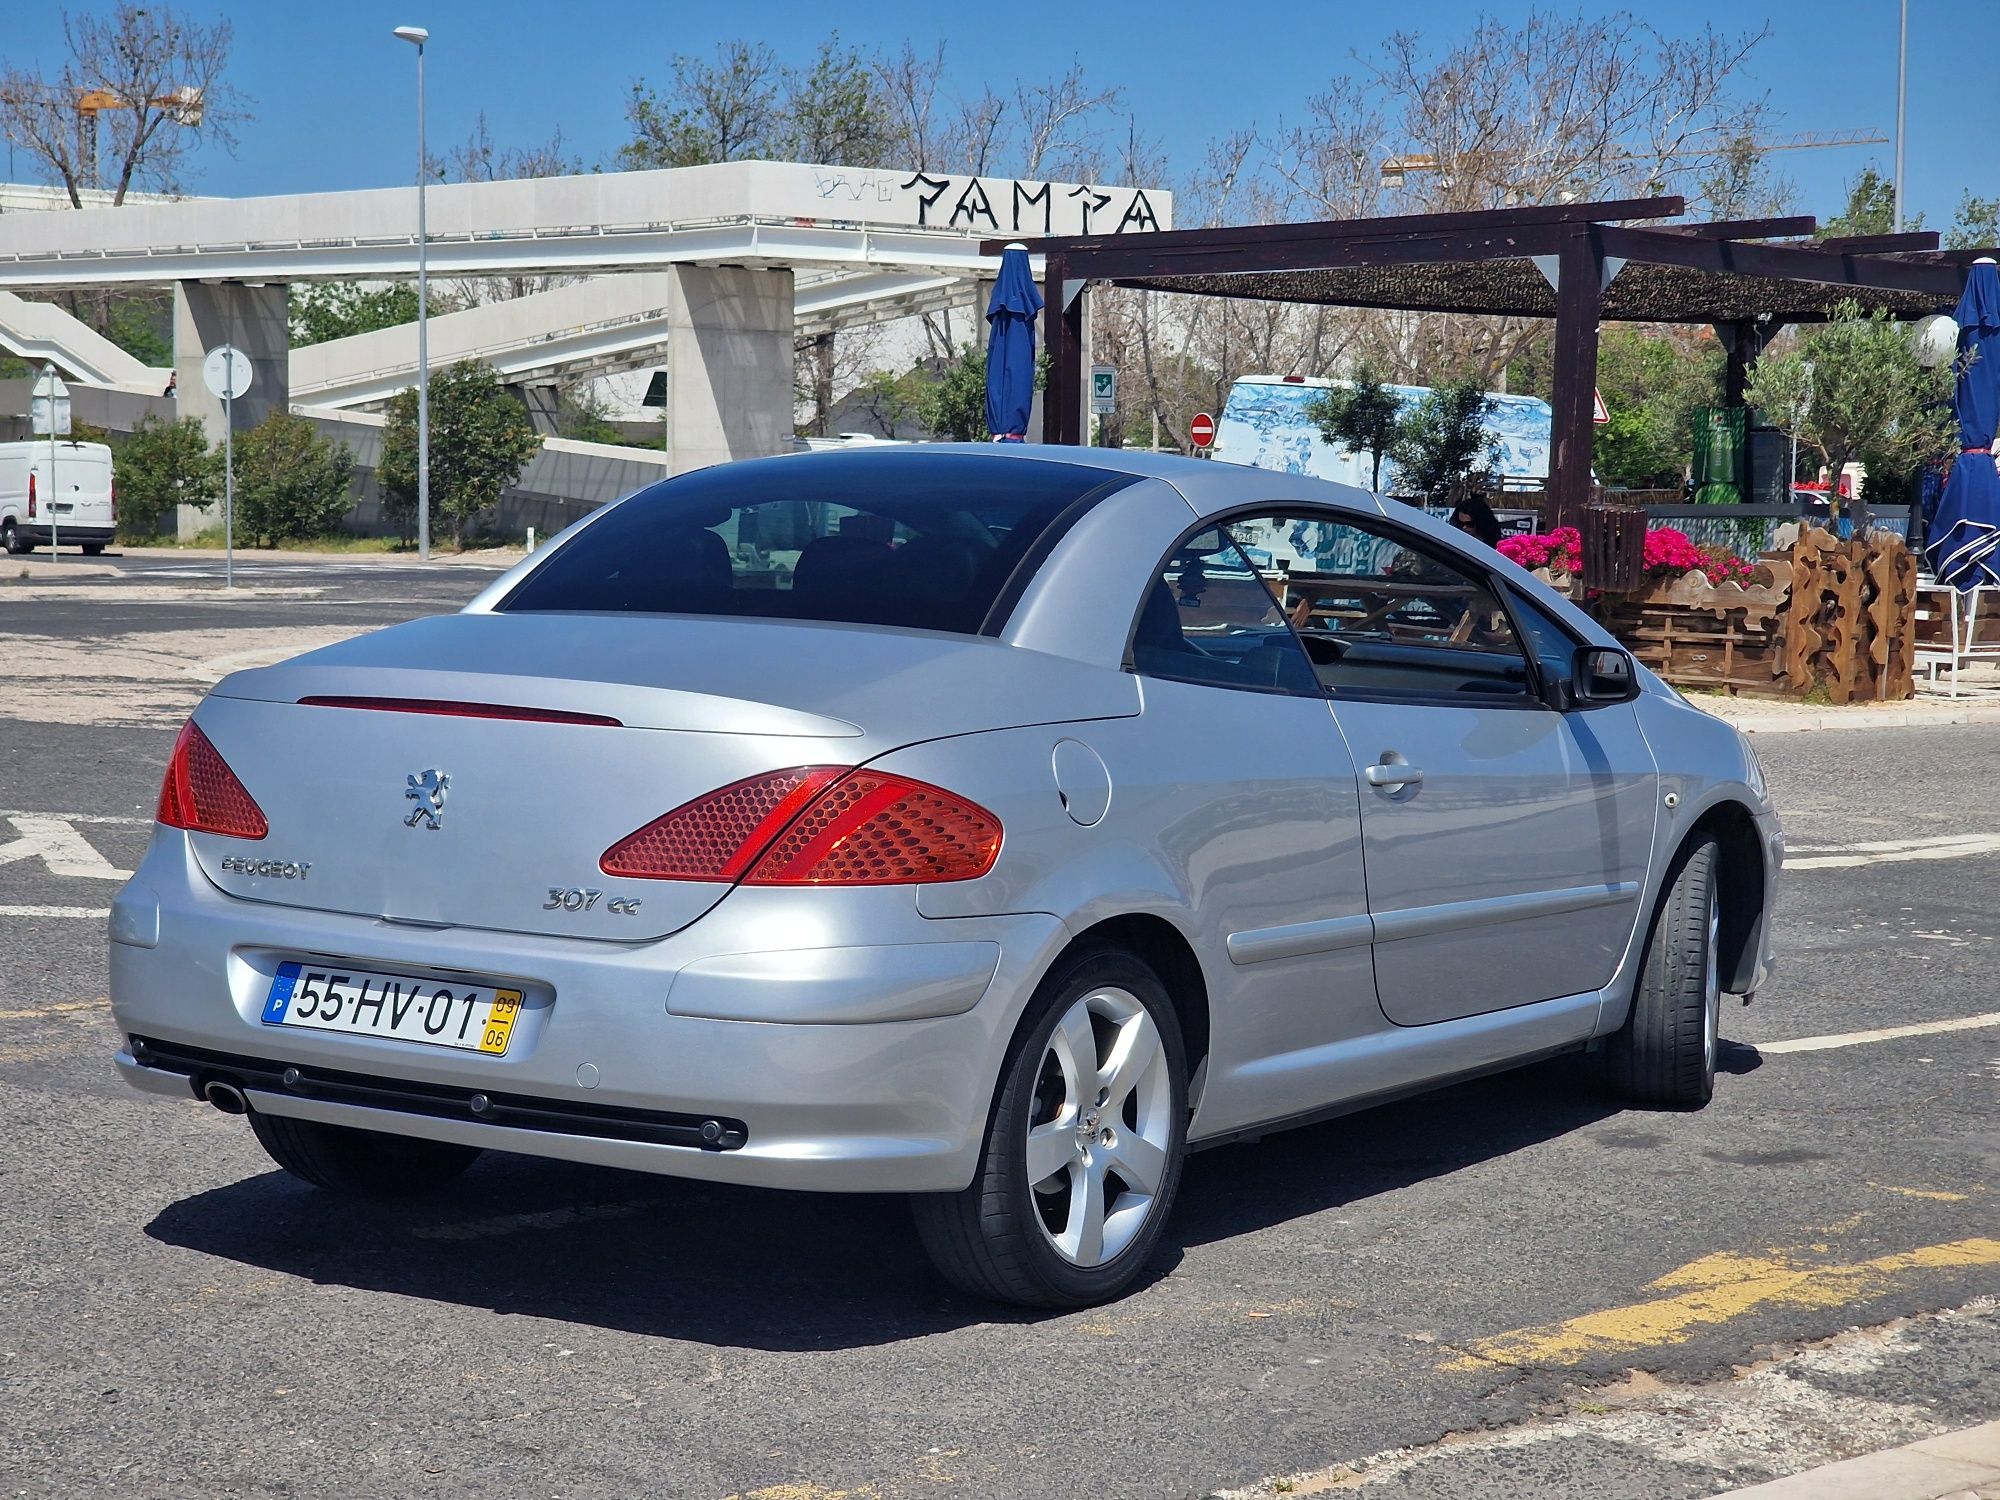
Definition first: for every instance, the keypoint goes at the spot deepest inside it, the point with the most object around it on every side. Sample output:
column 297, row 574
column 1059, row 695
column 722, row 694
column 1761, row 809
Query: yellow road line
column 1713, row 1290
column 1936, row 1195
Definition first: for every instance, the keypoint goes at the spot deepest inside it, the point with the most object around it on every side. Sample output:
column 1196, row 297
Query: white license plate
column 368, row 1002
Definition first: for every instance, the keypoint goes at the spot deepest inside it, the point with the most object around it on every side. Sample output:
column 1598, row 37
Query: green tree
column 1852, row 388
column 136, row 323
column 481, row 439
column 954, row 405
column 890, row 399
column 1976, row 226
column 1871, row 208
column 163, row 465
column 1364, row 416
column 835, row 111
column 339, row 309
column 290, row 481
column 1652, row 379
column 714, row 111
column 1444, row 439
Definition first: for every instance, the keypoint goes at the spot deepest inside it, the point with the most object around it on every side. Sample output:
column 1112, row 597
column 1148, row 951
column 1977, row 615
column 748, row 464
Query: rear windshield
column 926, row 541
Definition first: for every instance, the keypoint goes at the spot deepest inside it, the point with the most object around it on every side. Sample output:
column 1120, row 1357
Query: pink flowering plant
column 1560, row 551
column 1670, row 553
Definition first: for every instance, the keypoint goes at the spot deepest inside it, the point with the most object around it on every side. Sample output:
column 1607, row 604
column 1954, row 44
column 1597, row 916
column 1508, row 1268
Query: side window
column 1209, row 618
column 1380, row 614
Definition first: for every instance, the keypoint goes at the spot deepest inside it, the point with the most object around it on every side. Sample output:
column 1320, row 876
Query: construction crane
column 1396, row 169
column 182, row 106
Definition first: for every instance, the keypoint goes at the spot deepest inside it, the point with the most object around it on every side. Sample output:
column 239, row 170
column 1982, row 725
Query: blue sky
column 332, row 90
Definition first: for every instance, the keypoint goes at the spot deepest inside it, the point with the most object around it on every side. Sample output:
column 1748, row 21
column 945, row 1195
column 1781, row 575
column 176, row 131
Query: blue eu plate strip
column 281, row 994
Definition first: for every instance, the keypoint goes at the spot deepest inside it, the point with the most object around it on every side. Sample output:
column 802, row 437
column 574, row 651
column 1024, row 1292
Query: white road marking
column 1894, row 851
column 69, row 817
column 1775, row 1421
column 1881, row 1034
column 55, row 911
column 58, row 846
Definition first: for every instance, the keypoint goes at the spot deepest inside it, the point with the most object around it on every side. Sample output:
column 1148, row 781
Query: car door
column 1505, row 842
column 1237, row 776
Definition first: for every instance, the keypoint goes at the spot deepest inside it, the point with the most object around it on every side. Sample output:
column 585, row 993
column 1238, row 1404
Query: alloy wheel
column 1100, row 1129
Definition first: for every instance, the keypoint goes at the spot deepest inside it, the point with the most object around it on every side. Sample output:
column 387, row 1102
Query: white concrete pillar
column 257, row 320
column 729, row 365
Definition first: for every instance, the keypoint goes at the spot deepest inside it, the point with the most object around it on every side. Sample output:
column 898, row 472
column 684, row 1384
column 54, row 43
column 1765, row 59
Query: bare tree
column 479, row 158
column 141, row 90
column 1059, row 124
column 911, row 83
column 1552, row 109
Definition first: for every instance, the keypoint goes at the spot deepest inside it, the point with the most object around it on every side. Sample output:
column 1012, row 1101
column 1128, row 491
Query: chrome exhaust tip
column 226, row 1097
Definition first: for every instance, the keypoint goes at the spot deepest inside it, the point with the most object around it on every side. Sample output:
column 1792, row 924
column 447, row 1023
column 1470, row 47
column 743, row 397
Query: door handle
column 1392, row 774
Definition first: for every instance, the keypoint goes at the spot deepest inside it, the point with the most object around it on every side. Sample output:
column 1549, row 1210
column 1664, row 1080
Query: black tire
column 93, row 549
column 10, row 538
column 988, row 1239
column 360, row 1163
column 1664, row 1055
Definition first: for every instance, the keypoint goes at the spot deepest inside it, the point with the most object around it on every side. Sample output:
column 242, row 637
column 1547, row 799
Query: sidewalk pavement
column 1961, row 1465
column 1779, row 716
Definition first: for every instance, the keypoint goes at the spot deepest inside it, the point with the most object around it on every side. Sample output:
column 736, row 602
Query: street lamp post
column 1902, row 89
column 417, row 36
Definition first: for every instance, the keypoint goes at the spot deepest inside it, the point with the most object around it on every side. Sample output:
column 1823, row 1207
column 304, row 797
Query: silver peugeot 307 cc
column 987, row 825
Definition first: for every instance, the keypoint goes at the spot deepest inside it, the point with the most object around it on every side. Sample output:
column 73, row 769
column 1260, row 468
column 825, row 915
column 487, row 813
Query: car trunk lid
column 472, row 770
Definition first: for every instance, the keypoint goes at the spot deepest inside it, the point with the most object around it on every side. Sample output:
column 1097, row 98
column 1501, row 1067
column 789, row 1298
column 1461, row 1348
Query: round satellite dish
column 225, row 370
column 1936, row 340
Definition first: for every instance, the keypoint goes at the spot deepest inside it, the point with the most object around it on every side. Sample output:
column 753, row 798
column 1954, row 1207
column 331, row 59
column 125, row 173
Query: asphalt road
column 178, row 1317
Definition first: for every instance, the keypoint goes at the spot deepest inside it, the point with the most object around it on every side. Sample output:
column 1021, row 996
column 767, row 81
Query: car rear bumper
column 837, row 1040
column 40, row 534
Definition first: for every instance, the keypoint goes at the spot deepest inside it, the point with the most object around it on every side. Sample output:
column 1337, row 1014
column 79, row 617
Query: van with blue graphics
column 56, row 493
column 1264, row 425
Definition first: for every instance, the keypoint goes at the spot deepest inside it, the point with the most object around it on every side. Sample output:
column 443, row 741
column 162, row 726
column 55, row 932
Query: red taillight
column 815, row 825
column 202, row 794
column 31, row 495
column 113, row 493
column 451, row 708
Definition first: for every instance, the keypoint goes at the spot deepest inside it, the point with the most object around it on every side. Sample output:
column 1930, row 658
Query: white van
column 58, row 492
column 1264, row 424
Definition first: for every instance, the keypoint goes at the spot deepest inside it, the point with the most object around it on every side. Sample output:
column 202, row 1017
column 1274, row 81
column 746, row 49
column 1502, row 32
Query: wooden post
column 1741, row 341
column 1579, row 296
column 1062, row 402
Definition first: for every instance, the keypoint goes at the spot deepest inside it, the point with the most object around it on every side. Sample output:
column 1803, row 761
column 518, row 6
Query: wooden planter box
column 1699, row 634
column 1826, row 613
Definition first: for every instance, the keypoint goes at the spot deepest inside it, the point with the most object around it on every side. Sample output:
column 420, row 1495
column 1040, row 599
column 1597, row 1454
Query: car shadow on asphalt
column 762, row 1269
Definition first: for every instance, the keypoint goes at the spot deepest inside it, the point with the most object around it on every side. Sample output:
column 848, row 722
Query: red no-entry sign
column 1201, row 430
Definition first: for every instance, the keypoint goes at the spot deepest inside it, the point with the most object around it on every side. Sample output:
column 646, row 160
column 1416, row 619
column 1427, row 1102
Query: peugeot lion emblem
column 427, row 790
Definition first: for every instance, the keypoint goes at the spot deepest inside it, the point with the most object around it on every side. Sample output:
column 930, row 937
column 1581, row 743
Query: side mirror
column 1600, row 675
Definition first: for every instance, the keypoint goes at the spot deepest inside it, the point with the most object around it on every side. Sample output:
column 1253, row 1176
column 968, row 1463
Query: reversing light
column 815, row 825
column 201, row 794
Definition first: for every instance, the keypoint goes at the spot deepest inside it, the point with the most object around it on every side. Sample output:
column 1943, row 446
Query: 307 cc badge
column 574, row 899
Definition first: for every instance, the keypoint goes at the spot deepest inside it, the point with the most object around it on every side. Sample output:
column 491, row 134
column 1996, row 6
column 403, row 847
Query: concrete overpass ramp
column 41, row 332
column 603, row 326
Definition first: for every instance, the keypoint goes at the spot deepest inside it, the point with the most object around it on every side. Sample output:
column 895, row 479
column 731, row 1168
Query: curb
column 499, row 558
column 1871, row 718
column 1948, row 1465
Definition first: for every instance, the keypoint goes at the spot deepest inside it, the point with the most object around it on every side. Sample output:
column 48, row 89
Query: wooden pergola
column 1579, row 264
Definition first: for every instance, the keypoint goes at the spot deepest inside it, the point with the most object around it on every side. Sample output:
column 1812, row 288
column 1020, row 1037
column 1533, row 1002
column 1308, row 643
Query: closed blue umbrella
column 1010, row 347
column 1964, row 544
